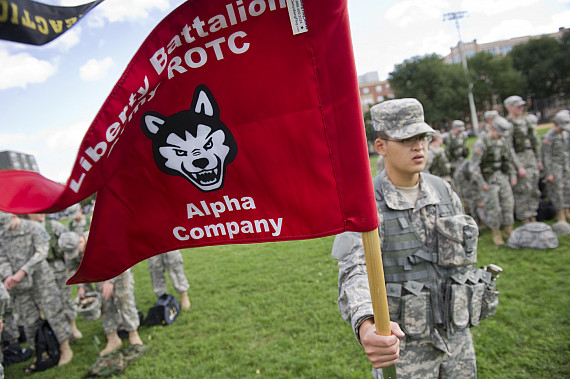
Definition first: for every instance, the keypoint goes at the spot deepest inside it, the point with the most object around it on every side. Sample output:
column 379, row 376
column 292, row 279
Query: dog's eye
column 180, row 153
column 208, row 145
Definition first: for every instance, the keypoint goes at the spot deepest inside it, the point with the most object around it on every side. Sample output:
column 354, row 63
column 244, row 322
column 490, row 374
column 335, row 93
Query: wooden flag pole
column 373, row 256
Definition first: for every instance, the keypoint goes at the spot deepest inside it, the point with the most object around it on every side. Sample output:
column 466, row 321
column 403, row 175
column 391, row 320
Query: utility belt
column 469, row 298
column 488, row 171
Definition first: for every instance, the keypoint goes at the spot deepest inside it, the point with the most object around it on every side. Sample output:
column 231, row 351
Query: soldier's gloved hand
column 382, row 351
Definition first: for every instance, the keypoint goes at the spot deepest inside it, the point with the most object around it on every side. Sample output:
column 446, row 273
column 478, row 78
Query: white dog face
column 193, row 144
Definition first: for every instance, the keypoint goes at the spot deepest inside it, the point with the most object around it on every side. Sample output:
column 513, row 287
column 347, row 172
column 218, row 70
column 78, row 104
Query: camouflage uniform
column 490, row 165
column 524, row 141
column 455, row 147
column 428, row 250
column 555, row 156
column 469, row 192
column 56, row 261
column 120, row 309
column 4, row 306
column 431, row 349
column 438, row 165
column 171, row 261
column 26, row 248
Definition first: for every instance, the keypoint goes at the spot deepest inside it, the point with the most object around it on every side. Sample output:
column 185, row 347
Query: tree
column 545, row 62
column 441, row 88
column 494, row 79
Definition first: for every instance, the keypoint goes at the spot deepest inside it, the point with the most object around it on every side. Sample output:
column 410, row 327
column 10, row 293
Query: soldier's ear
column 380, row 146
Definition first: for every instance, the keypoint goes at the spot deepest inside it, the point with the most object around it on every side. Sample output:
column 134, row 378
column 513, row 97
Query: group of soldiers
column 499, row 181
column 38, row 255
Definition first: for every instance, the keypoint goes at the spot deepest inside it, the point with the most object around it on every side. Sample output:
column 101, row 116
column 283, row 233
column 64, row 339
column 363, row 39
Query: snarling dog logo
column 194, row 143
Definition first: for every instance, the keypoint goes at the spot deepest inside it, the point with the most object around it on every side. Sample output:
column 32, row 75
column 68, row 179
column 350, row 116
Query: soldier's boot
column 134, row 338
column 508, row 230
column 497, row 237
column 561, row 215
column 113, row 343
column 74, row 331
column 65, row 353
column 184, row 300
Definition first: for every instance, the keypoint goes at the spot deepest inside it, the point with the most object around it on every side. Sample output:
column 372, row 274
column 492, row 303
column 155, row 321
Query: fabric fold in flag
column 233, row 123
column 35, row 23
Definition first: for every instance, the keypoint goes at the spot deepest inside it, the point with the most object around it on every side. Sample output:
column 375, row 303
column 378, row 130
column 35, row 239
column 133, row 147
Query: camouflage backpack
column 534, row 235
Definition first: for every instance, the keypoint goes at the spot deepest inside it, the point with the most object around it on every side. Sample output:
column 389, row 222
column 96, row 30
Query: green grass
column 269, row 311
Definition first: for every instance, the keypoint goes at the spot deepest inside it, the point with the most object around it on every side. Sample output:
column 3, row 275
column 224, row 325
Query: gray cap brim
column 410, row 131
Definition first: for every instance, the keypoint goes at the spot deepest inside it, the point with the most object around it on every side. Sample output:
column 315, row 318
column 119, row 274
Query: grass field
column 269, row 311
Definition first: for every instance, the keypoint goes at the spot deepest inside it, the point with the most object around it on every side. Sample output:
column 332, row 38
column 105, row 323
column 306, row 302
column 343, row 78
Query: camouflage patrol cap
column 562, row 119
column 501, row 125
column 514, row 101
column 490, row 115
column 458, row 124
column 68, row 241
column 73, row 211
column 400, row 118
column 5, row 220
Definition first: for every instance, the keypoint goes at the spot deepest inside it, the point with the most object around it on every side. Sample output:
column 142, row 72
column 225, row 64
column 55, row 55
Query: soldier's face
column 516, row 111
column 406, row 160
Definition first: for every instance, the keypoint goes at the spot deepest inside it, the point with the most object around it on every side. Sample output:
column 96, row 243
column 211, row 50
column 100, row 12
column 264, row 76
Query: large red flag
column 235, row 122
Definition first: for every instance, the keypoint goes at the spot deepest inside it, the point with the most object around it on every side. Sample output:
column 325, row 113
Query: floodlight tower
column 455, row 16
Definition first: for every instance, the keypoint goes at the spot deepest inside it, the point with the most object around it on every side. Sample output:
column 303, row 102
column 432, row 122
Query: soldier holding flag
column 420, row 217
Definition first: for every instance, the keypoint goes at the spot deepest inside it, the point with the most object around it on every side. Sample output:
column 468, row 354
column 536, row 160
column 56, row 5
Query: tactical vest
column 522, row 136
column 410, row 266
column 455, row 148
column 495, row 158
column 54, row 251
column 439, row 166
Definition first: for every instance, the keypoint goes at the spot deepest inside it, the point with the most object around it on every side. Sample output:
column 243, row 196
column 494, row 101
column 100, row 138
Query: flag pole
column 373, row 256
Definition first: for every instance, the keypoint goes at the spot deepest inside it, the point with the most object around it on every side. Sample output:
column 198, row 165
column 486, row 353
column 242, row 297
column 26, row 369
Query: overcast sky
column 49, row 95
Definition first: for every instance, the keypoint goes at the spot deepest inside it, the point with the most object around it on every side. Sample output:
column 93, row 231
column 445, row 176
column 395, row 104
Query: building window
column 387, row 86
column 379, row 88
column 380, row 99
column 366, row 90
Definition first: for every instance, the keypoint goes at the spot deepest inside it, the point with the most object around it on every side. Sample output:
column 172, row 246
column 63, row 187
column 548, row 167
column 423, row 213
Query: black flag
column 34, row 23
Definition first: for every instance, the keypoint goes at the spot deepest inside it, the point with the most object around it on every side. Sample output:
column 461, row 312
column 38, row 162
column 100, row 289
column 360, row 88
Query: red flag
column 226, row 127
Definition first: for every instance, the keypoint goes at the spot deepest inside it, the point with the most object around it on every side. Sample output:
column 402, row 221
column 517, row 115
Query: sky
column 49, row 95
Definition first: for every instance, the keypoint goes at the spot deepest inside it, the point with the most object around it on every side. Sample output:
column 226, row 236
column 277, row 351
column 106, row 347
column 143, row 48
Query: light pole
column 455, row 16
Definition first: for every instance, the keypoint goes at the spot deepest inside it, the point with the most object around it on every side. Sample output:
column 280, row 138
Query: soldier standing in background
column 172, row 262
column 525, row 143
column 455, row 144
column 494, row 174
column 117, row 296
column 555, row 156
column 79, row 222
column 56, row 261
column 437, row 163
column 26, row 274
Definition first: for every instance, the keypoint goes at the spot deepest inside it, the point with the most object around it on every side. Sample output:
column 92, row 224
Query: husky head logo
column 193, row 143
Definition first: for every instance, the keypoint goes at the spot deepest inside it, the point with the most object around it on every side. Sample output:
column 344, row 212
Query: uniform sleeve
column 475, row 164
column 536, row 144
column 547, row 155
column 40, row 246
column 512, row 153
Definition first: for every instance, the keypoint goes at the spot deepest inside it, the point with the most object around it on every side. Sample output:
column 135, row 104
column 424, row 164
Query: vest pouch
column 490, row 302
column 394, row 294
column 416, row 314
column 459, row 307
column 457, row 240
column 477, row 292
